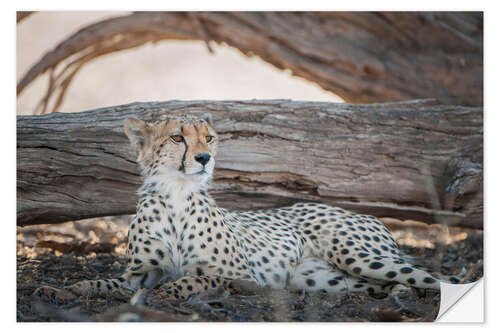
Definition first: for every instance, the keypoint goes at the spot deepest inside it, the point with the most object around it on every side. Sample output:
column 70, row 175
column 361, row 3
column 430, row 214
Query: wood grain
column 363, row 57
column 414, row 160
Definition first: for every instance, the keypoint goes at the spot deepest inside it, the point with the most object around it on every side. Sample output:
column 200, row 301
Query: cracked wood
column 409, row 160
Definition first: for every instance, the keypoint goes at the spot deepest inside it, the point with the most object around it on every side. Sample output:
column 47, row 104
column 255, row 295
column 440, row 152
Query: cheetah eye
column 177, row 138
column 209, row 138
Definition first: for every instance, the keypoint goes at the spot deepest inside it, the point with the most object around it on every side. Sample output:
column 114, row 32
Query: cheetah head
column 179, row 150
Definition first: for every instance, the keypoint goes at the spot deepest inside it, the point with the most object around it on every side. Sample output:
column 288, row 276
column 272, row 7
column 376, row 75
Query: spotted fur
column 180, row 237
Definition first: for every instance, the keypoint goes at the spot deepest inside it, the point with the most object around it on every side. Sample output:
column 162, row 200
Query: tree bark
column 364, row 57
column 21, row 15
column 413, row 160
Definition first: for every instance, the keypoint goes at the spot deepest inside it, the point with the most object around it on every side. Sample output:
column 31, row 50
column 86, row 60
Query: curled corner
column 461, row 302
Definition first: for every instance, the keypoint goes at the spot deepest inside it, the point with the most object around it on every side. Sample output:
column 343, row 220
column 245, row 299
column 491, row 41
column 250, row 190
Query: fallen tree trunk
column 363, row 57
column 412, row 160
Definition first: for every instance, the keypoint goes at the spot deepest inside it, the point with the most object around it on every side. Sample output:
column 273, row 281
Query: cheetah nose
column 202, row 158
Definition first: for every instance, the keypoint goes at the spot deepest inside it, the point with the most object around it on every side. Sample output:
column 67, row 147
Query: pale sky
column 165, row 71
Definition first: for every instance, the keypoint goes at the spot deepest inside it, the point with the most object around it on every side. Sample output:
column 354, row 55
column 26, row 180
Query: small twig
column 87, row 263
column 230, row 313
column 29, row 261
column 247, row 296
column 27, row 286
column 64, row 86
column 180, row 310
column 23, row 317
column 50, row 89
column 246, row 302
column 400, row 305
column 471, row 271
column 60, row 82
column 51, row 311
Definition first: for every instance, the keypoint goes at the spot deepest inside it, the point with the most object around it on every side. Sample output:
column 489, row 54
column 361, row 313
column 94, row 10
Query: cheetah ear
column 207, row 117
column 137, row 132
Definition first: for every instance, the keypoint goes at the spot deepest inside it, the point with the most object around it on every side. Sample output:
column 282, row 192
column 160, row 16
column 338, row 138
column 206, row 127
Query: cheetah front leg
column 86, row 288
column 122, row 287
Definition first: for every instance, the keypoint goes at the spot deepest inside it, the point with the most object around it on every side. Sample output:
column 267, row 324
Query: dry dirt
column 59, row 255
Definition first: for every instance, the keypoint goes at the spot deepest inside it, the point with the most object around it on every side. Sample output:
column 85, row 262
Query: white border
column 492, row 112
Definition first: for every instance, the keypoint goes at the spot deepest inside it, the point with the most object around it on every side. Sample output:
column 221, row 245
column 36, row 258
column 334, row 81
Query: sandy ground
column 164, row 71
column 60, row 255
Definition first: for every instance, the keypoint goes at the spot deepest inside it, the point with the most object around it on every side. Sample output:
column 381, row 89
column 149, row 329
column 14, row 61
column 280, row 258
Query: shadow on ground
column 60, row 255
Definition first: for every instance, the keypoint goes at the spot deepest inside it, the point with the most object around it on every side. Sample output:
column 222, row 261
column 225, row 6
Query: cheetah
column 180, row 239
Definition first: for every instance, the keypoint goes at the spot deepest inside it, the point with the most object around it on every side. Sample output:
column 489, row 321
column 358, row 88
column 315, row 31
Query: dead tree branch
column 363, row 57
column 21, row 15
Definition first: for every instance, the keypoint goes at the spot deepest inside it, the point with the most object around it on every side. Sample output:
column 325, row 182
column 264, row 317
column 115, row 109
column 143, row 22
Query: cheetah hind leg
column 395, row 269
column 314, row 274
column 453, row 279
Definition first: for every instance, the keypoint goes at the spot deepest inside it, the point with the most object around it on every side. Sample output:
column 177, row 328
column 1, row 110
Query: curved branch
column 21, row 15
column 362, row 57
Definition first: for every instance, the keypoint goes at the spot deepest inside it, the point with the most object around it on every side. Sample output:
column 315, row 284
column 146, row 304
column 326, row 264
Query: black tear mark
column 181, row 168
